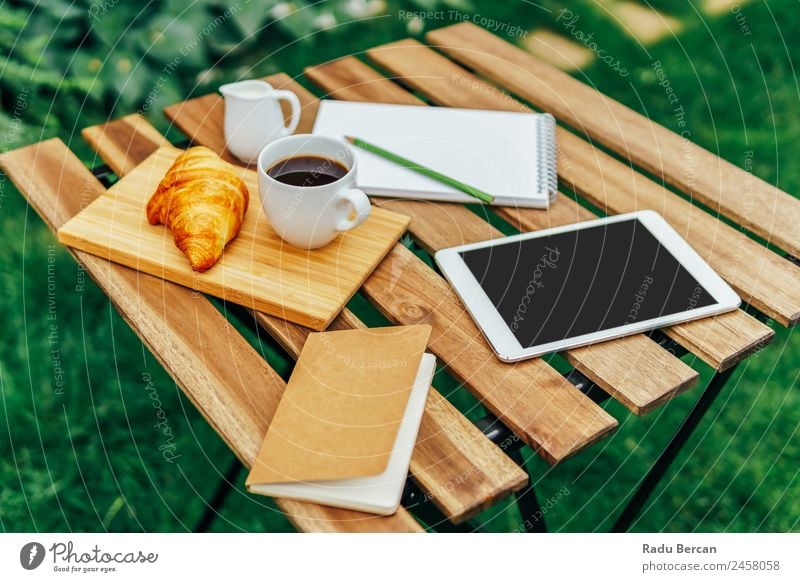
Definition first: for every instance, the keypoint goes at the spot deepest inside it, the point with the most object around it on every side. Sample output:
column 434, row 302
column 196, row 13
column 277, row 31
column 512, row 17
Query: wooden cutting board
column 258, row 269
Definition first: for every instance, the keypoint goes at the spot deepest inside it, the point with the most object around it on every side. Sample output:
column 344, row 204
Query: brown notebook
column 343, row 406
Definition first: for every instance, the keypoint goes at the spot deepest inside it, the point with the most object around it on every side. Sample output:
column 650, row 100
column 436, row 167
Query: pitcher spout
column 250, row 89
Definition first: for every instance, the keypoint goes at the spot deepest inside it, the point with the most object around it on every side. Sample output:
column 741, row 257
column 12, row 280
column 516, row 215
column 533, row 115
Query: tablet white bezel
column 501, row 337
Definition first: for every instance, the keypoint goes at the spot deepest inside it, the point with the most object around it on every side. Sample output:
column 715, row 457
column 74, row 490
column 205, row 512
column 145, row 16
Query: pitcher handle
column 294, row 102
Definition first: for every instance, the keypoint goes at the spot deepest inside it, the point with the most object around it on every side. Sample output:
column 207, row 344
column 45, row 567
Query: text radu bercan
column 677, row 549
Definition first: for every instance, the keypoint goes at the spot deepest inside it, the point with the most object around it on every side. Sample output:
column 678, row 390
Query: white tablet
column 547, row 291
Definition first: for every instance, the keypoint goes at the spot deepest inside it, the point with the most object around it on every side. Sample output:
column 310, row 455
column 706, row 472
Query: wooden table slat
column 456, row 465
column 760, row 276
column 624, row 368
column 349, row 79
column 734, row 192
column 722, row 345
column 531, row 398
column 223, row 376
column 448, row 446
column 131, row 137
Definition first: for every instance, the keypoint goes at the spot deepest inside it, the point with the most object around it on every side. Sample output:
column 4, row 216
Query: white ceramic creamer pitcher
column 253, row 117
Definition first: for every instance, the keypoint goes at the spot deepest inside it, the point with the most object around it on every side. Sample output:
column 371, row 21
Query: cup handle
column 360, row 204
column 294, row 102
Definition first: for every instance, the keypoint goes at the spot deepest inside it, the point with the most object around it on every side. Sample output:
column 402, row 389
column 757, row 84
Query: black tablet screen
column 573, row 283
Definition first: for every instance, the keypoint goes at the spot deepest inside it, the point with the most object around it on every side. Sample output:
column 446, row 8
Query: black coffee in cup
column 306, row 171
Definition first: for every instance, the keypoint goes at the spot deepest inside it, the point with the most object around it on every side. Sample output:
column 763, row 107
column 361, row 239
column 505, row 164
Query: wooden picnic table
column 459, row 466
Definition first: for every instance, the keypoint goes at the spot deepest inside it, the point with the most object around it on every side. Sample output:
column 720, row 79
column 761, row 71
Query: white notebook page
column 501, row 153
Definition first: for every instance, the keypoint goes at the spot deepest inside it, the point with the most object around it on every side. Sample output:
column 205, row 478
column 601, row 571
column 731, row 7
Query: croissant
column 203, row 200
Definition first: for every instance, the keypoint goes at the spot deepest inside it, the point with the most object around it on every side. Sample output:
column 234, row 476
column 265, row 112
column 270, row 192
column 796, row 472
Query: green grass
column 89, row 459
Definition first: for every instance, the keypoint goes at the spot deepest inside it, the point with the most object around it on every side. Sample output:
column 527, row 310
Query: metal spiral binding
column 548, row 153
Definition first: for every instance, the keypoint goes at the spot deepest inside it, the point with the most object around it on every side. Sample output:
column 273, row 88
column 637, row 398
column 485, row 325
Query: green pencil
column 483, row 196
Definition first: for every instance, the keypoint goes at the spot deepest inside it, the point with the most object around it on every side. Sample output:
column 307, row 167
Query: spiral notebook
column 510, row 155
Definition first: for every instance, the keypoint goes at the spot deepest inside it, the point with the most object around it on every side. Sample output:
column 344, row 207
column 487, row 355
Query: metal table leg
column 421, row 506
column 529, row 507
column 224, row 488
column 676, row 443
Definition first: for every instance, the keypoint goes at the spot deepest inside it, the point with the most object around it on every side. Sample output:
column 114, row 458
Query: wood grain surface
column 723, row 343
column 131, row 137
column 224, row 377
column 530, row 397
column 724, row 187
column 534, row 400
column 460, row 469
column 457, row 467
column 257, row 269
column 624, row 368
column 761, row 277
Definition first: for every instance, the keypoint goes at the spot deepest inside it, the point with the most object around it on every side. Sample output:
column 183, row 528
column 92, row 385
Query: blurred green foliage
column 89, row 459
column 100, row 58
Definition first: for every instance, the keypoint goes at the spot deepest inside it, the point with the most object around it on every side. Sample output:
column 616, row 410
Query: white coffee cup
column 310, row 217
